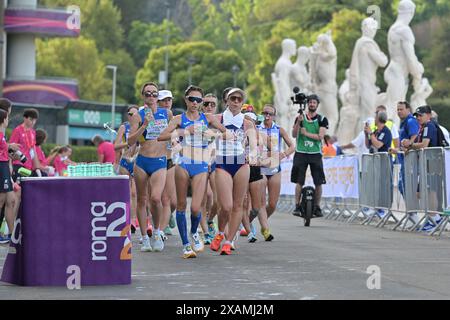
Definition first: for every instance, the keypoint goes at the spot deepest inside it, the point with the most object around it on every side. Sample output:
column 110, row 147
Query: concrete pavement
column 329, row 260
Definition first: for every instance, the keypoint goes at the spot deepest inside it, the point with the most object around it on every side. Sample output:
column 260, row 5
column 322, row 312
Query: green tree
column 56, row 57
column 211, row 70
column 438, row 63
column 211, row 23
column 146, row 36
column 100, row 20
column 126, row 72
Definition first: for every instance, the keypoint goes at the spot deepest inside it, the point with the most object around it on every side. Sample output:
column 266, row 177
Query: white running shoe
column 157, row 243
column 198, row 242
column 188, row 253
column 146, row 247
column 163, row 236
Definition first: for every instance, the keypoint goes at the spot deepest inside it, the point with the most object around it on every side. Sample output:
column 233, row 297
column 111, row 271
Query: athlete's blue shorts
column 212, row 167
column 129, row 166
column 151, row 165
column 193, row 167
column 269, row 172
column 230, row 164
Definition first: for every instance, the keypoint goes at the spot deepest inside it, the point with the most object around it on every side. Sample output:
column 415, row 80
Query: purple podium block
column 67, row 224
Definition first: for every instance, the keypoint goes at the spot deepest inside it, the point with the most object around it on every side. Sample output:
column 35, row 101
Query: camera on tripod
column 299, row 99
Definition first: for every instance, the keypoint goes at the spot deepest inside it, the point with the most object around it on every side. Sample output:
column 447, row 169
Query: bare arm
column 296, row 126
column 173, row 125
column 347, row 146
column 375, row 142
column 315, row 136
column 118, row 144
column 290, row 144
column 137, row 129
column 251, row 134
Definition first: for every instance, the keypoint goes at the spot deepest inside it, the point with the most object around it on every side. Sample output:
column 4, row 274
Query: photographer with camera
column 309, row 130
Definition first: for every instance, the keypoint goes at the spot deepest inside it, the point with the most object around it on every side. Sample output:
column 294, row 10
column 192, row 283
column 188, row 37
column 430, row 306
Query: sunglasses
column 236, row 99
column 267, row 114
column 149, row 94
column 208, row 103
column 166, row 99
column 130, row 114
column 195, row 99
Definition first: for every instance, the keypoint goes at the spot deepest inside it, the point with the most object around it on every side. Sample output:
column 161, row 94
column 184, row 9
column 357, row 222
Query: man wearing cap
column 309, row 129
column 427, row 137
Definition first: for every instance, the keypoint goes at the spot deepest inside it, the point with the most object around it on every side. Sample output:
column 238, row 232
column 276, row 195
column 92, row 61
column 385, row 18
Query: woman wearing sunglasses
column 272, row 173
column 232, row 169
column 192, row 166
column 151, row 162
column 127, row 159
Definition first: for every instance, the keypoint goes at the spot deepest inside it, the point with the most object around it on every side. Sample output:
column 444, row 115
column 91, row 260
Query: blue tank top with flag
column 157, row 125
column 196, row 140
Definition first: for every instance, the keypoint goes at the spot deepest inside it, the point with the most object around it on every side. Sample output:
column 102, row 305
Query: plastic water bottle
column 152, row 120
column 447, row 211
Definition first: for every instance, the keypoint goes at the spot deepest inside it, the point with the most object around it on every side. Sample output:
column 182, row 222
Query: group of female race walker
column 227, row 160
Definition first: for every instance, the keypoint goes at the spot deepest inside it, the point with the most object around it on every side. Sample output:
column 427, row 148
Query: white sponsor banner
column 447, row 175
column 341, row 174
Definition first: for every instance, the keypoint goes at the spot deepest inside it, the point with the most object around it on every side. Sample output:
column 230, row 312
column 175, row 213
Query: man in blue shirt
column 380, row 140
column 409, row 130
column 427, row 136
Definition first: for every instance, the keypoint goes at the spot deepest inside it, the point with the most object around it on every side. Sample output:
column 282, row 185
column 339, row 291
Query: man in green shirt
column 309, row 130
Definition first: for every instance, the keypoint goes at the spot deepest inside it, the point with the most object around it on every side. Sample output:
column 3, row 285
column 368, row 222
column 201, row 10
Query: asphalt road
column 328, row 260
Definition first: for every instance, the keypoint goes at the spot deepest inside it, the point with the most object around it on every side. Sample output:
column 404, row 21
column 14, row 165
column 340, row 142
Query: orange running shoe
column 226, row 249
column 215, row 244
column 149, row 228
column 243, row 232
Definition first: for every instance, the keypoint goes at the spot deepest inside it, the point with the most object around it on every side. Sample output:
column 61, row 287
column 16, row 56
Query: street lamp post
column 166, row 54
column 235, row 69
column 191, row 61
column 113, row 105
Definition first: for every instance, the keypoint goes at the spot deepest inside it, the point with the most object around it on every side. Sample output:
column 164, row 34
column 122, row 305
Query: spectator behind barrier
column 380, row 139
column 409, row 129
column 427, row 138
column 391, row 126
column 434, row 117
column 328, row 150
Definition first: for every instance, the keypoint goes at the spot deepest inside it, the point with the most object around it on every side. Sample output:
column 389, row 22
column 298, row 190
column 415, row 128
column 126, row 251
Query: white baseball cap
column 251, row 115
column 234, row 90
column 164, row 94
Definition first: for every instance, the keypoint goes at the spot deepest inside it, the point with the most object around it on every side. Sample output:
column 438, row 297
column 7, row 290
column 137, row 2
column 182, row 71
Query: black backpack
column 441, row 142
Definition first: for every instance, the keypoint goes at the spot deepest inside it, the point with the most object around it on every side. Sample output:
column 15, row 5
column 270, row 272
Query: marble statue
column 421, row 93
column 349, row 126
column 367, row 58
column 403, row 62
column 299, row 75
column 282, row 84
column 323, row 77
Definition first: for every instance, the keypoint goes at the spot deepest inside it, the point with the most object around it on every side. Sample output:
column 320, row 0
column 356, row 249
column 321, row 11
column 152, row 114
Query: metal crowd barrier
column 425, row 192
column 424, row 176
